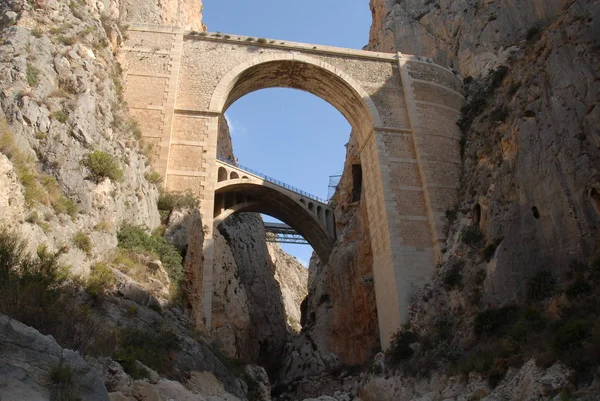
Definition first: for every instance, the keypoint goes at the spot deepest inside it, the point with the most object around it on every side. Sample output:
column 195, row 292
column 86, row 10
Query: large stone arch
column 301, row 72
column 403, row 109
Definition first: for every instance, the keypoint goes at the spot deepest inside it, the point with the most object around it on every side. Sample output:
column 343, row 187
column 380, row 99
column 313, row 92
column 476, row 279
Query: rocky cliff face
column 61, row 103
column 185, row 14
column 530, row 143
column 256, row 272
column 292, row 278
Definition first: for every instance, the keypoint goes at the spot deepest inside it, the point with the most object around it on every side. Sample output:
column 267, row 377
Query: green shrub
column 471, row 235
column 83, row 241
column 530, row 321
column 152, row 349
column 169, row 201
column 571, row 334
column 135, row 238
column 66, row 40
column 400, row 345
column 453, row 276
column 153, row 177
column 101, row 279
column 55, row 197
column 62, row 384
column 32, row 74
column 540, row 286
column 37, row 32
column 261, row 40
column 495, row 321
column 60, row 116
column 102, row 165
column 34, row 291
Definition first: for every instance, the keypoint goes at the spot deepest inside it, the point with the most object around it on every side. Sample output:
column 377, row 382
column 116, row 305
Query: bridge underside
column 248, row 197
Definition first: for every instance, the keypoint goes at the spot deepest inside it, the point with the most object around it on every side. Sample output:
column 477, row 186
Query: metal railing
column 271, row 179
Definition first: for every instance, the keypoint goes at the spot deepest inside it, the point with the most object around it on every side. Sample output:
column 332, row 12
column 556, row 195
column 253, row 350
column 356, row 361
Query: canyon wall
column 531, row 144
column 61, row 101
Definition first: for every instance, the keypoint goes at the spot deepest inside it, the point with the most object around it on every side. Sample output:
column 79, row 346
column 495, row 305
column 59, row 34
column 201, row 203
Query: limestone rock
column 258, row 382
column 186, row 14
column 27, row 359
column 60, row 104
column 245, row 237
column 293, row 281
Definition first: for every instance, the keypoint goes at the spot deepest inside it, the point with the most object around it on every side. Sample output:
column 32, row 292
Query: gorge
column 465, row 266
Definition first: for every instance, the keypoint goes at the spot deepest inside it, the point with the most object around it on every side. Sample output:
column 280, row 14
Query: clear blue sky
column 289, row 134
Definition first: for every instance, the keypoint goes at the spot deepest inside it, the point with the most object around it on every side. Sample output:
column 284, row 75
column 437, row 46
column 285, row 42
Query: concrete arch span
column 238, row 196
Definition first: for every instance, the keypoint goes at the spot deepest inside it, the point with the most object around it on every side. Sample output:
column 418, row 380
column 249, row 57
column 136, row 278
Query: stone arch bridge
column 402, row 109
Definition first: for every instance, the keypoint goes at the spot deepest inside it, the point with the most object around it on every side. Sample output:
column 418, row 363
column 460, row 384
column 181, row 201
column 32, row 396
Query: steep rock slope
column 256, row 271
column 531, row 136
column 61, row 103
column 292, row 278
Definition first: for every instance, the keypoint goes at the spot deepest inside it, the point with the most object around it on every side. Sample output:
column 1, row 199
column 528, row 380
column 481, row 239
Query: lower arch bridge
column 241, row 189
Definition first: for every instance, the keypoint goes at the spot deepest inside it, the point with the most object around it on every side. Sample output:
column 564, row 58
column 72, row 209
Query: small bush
column 169, row 201
column 23, row 166
column 498, row 76
column 82, row 241
column 541, row 286
column 453, row 276
column 37, row 32
column 103, row 226
column 530, row 321
column 63, row 387
column 153, row 177
column 261, row 40
column 34, row 291
column 152, row 349
column 571, row 334
column 60, row 116
column 400, row 345
column 136, row 239
column 66, row 40
column 32, row 74
column 100, row 280
column 495, row 321
column 471, row 235
column 102, row 165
